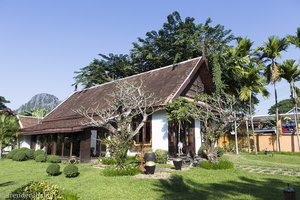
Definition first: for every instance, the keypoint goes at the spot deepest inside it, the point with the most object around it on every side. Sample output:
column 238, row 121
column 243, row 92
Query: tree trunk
column 296, row 113
column 0, row 150
column 277, row 119
column 248, row 137
column 252, row 125
column 235, row 134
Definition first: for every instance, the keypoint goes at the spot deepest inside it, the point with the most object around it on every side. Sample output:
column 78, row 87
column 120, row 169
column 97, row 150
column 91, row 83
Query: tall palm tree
column 253, row 83
column 270, row 51
column 238, row 60
column 291, row 73
column 294, row 39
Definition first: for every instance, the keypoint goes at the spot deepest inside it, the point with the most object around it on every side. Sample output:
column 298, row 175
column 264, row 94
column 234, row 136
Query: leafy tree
column 104, row 70
column 216, row 115
column 176, row 41
column 283, row 106
column 270, row 51
column 8, row 129
column 178, row 112
column 3, row 101
column 35, row 112
column 179, row 40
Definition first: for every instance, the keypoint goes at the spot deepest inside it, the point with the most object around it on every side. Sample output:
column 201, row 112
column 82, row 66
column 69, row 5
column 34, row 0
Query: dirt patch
column 157, row 175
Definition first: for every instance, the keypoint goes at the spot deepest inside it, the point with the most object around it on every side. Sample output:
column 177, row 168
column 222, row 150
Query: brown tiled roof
column 27, row 121
column 165, row 83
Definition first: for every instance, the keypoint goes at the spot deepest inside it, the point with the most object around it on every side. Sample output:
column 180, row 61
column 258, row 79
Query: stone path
column 268, row 170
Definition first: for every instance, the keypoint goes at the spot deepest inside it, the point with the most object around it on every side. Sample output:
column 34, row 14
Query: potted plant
column 149, row 156
column 177, row 163
column 150, row 167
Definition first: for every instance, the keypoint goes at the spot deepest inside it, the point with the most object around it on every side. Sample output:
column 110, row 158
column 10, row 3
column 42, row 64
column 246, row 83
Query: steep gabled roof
column 165, row 83
column 27, row 121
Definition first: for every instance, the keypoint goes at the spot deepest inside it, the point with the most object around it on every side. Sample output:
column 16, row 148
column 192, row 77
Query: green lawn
column 274, row 161
column 193, row 184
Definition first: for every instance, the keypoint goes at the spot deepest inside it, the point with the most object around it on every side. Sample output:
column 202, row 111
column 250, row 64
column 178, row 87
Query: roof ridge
column 28, row 116
column 157, row 69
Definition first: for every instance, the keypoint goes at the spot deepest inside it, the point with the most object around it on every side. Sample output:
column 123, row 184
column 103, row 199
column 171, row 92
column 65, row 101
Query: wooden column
column 33, row 142
column 54, row 144
column 85, row 146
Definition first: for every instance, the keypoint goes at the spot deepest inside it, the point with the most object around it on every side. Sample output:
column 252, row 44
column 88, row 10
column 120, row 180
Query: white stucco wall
column 25, row 141
column 159, row 131
column 198, row 139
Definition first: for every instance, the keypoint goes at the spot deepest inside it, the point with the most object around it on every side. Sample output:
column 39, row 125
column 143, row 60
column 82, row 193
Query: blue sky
column 42, row 43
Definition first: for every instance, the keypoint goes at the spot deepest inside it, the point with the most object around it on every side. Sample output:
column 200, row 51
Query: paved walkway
column 268, row 170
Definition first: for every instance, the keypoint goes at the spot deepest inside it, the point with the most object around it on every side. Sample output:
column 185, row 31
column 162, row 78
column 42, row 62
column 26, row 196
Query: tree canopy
column 105, row 69
column 283, row 106
column 178, row 40
column 3, row 101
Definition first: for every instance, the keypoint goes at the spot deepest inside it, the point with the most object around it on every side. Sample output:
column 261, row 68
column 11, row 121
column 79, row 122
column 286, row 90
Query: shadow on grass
column 8, row 183
column 181, row 188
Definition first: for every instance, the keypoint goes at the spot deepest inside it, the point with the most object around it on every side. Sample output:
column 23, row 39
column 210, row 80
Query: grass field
column 192, row 184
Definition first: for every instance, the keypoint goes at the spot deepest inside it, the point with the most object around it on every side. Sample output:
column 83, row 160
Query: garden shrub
column 71, row 170
column 69, row 195
column 132, row 160
column 161, row 156
column 126, row 171
column 29, row 153
column 53, row 159
column 202, row 152
column 108, row 161
column 37, row 190
column 53, row 169
column 39, row 152
column 220, row 151
column 41, row 158
column 222, row 164
column 19, row 156
column 12, row 153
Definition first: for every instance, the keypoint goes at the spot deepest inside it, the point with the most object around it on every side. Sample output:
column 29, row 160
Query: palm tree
column 294, row 39
column 253, row 83
column 270, row 51
column 291, row 73
column 238, row 60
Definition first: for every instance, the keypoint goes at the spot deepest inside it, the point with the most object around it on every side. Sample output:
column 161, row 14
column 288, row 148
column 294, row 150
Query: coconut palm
column 294, row 39
column 253, row 83
column 291, row 73
column 270, row 51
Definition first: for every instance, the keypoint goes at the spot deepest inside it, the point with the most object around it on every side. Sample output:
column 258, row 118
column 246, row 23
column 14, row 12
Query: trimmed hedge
column 12, row 153
column 29, row 153
column 53, row 169
column 161, row 156
column 126, row 171
column 222, row 164
column 53, row 159
column 19, row 156
column 41, row 158
column 71, row 170
column 39, row 152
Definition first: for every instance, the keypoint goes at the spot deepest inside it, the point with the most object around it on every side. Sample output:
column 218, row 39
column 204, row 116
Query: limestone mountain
column 43, row 100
